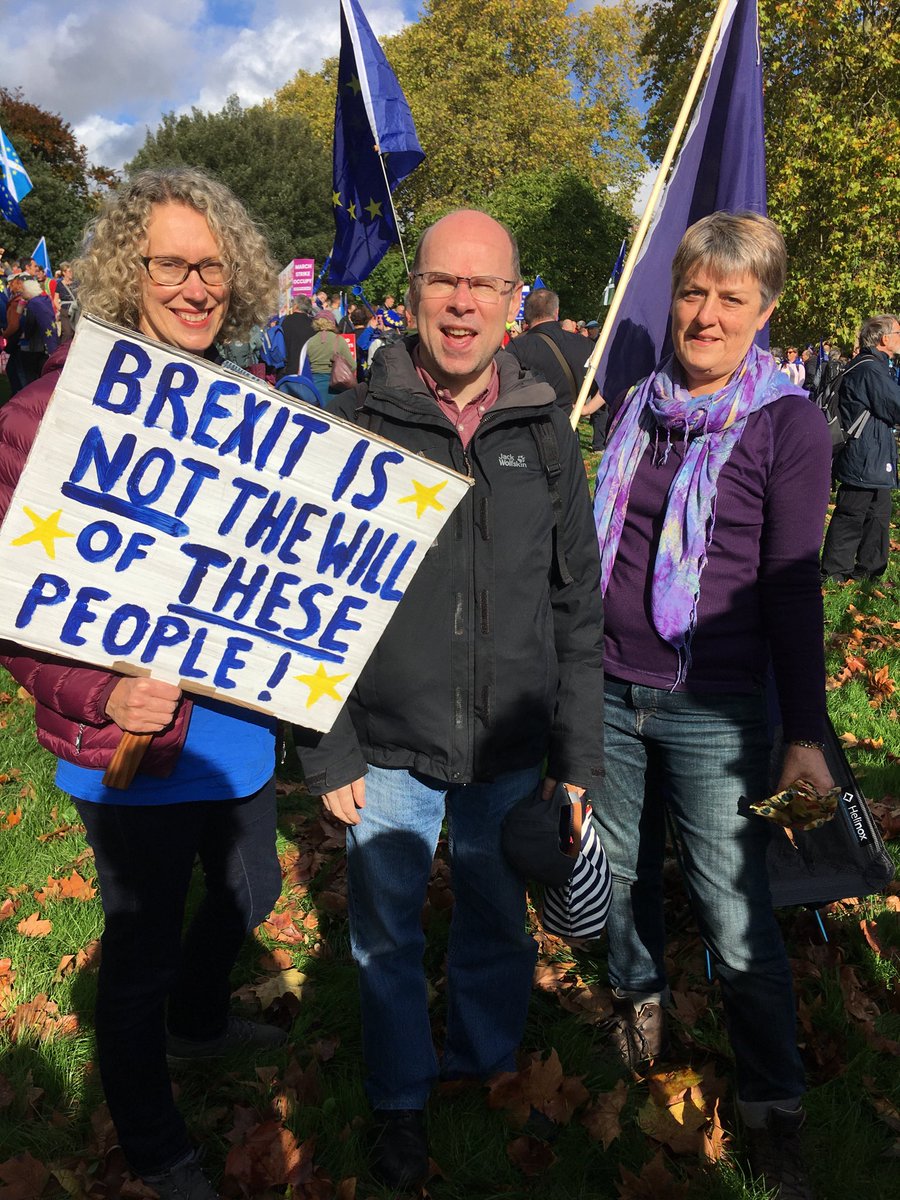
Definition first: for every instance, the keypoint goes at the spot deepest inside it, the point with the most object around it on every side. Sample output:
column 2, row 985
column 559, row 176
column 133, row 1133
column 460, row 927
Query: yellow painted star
column 373, row 208
column 353, row 85
column 336, row 199
column 351, row 209
column 46, row 531
column 424, row 497
column 321, row 684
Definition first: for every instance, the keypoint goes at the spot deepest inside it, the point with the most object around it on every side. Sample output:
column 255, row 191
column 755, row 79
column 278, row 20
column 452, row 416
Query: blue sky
column 111, row 68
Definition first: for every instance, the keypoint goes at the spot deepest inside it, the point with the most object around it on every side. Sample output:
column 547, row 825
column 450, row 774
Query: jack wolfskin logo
column 512, row 460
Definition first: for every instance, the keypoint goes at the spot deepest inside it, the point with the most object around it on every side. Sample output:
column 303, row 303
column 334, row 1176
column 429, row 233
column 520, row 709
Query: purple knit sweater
column 760, row 596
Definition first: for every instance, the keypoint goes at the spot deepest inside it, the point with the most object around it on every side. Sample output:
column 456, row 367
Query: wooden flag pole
column 650, row 209
column 126, row 759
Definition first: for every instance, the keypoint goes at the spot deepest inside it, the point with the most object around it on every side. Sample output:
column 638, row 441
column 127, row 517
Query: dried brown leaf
column 24, row 1178
column 532, row 1156
column 653, row 1183
column 602, row 1119
column 34, row 926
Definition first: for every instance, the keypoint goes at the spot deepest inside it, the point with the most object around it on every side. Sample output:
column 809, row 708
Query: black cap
column 537, row 838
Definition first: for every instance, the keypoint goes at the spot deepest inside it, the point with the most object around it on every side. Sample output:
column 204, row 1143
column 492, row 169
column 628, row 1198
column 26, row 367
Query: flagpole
column 650, row 209
column 393, row 210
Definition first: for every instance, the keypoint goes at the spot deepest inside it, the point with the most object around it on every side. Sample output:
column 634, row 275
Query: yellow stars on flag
column 46, row 530
column 424, row 497
column 353, row 85
column 373, row 208
column 321, row 684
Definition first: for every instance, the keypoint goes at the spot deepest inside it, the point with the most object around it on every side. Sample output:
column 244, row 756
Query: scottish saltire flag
column 614, row 274
column 538, row 283
column 15, row 176
column 41, row 257
column 721, row 166
column 14, row 182
column 371, row 113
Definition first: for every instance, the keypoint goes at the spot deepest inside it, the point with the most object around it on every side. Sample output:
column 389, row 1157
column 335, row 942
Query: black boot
column 399, row 1147
column 776, row 1157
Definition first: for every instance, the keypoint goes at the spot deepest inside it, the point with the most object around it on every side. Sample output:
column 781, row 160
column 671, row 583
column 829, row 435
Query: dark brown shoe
column 776, row 1156
column 637, row 1034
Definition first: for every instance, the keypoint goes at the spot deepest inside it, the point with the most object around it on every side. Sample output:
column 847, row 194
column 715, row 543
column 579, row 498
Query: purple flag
column 722, row 165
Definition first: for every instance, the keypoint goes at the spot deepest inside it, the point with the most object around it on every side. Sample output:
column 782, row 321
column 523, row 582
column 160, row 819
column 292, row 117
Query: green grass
column 51, row 1104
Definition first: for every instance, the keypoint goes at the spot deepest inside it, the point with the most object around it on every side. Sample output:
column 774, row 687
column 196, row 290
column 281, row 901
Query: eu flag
column 371, row 114
column 722, row 165
column 9, row 208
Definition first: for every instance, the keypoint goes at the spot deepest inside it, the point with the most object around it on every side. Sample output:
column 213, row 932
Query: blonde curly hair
column 110, row 271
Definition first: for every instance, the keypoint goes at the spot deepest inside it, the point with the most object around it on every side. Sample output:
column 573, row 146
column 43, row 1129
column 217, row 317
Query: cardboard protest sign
column 194, row 524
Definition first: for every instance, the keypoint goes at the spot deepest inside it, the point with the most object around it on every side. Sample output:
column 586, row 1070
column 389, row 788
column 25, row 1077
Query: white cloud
column 112, row 67
column 109, row 142
column 642, row 195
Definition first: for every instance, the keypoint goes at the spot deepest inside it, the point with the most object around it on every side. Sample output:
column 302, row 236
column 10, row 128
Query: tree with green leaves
column 567, row 233
column 832, row 109
column 499, row 88
column 63, row 184
column 271, row 160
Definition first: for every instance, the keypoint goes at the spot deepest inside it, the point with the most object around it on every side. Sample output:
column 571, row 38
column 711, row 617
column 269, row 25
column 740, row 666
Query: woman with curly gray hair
column 176, row 256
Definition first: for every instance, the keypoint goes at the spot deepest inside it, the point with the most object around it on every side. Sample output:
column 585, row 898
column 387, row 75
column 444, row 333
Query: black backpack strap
column 548, row 452
column 567, row 370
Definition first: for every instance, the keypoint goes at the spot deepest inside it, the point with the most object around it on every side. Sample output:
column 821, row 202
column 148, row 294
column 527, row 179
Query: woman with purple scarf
column 710, row 506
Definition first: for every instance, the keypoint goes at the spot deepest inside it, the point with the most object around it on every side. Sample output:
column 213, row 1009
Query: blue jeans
column 150, row 965
column 490, row 955
column 698, row 754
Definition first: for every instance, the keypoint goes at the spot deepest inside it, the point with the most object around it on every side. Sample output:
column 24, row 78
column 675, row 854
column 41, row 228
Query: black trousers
column 145, row 858
column 858, row 537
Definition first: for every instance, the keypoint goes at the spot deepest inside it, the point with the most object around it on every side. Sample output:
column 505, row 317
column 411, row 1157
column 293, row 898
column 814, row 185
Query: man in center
column 490, row 668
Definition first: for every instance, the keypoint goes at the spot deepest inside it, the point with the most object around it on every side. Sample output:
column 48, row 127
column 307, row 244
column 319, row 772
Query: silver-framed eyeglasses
column 169, row 272
column 438, row 285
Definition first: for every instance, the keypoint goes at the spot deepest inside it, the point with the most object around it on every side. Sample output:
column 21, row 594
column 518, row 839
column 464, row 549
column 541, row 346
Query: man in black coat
column 549, row 351
column 491, row 666
column 297, row 328
column 857, row 543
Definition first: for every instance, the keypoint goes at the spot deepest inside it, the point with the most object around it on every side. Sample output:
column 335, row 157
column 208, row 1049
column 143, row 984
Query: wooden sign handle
column 126, row 759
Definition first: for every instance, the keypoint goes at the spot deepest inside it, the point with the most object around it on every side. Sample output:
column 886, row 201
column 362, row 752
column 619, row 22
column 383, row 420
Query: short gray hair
column 541, row 305
column 727, row 244
column 873, row 329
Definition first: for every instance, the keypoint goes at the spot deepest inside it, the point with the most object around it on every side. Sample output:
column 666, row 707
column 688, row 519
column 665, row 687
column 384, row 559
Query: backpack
column 273, row 351
column 828, row 400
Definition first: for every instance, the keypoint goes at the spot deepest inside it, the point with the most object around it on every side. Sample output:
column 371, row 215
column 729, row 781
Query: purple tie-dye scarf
column 712, row 426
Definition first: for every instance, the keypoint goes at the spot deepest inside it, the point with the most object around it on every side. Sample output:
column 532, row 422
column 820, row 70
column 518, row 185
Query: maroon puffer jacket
column 70, row 700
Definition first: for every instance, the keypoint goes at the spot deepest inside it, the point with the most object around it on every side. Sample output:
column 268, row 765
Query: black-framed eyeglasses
column 438, row 285
column 169, row 272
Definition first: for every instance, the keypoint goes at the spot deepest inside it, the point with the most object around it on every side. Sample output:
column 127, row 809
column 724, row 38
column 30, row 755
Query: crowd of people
column 617, row 653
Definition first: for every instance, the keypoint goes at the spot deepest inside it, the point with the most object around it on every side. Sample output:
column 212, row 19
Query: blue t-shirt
column 229, row 752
